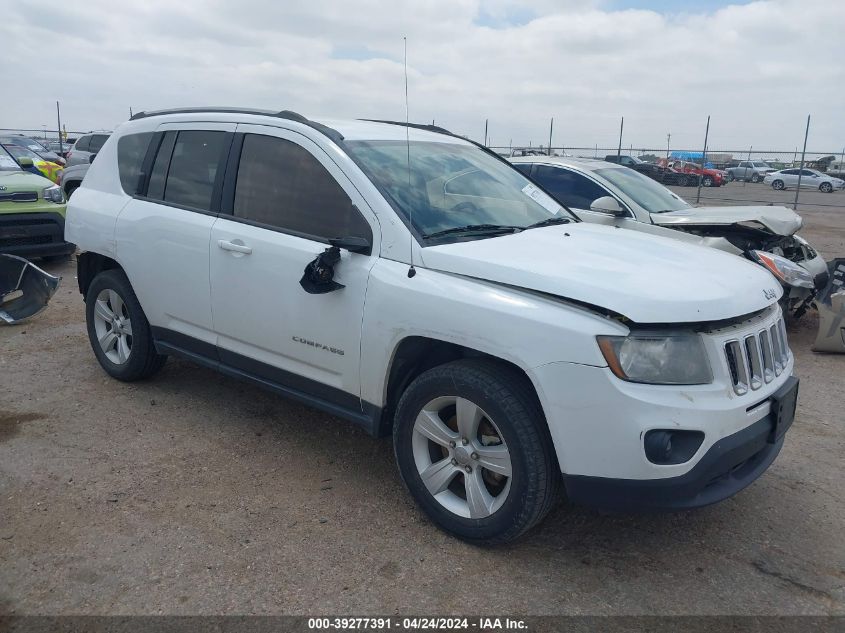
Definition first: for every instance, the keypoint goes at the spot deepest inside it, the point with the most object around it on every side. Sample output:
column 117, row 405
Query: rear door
column 163, row 233
column 283, row 199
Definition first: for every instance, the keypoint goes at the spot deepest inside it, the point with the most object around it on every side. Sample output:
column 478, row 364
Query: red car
column 709, row 177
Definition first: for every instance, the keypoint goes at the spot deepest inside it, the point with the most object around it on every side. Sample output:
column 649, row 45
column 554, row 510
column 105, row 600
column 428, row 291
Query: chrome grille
column 757, row 358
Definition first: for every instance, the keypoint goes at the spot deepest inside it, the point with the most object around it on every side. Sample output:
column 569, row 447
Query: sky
column 757, row 68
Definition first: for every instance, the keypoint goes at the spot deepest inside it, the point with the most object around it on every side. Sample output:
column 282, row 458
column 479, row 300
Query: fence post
column 485, row 132
column 551, row 129
column 803, row 152
column 703, row 159
column 619, row 149
column 59, row 128
column 745, row 174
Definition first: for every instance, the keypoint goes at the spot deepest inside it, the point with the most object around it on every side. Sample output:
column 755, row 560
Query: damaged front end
column 25, row 289
column 831, row 305
column 751, row 239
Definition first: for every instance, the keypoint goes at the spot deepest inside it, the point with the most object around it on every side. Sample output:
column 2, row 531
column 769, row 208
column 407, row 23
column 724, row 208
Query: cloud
column 758, row 68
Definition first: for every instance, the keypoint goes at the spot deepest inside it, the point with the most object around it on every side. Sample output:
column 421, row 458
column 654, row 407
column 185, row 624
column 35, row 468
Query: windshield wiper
column 488, row 229
column 549, row 222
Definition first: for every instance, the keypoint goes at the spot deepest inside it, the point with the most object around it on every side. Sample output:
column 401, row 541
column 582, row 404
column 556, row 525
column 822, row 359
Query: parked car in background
column 32, row 213
column 809, row 178
column 709, row 177
column 72, row 178
column 660, row 173
column 601, row 192
column 34, row 163
column 509, row 349
column 749, row 170
column 836, row 168
column 33, row 146
column 59, row 148
column 86, row 146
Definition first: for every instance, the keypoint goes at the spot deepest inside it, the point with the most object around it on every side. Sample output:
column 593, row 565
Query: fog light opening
column 665, row 446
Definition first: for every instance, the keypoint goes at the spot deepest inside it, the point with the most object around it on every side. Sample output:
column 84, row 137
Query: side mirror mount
column 353, row 244
column 91, row 158
column 25, row 161
column 608, row 205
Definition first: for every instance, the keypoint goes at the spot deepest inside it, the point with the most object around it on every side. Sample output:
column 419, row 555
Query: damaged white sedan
column 605, row 193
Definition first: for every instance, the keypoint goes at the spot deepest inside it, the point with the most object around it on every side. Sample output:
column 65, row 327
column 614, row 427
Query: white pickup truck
column 415, row 283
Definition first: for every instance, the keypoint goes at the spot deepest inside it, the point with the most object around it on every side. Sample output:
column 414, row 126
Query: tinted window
column 131, row 150
column 569, row 188
column 281, row 184
column 193, row 168
column 790, row 172
column 97, row 142
column 807, row 172
column 159, row 172
column 82, row 144
column 525, row 168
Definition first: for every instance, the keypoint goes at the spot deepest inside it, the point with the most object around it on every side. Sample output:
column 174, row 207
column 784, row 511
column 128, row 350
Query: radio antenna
column 411, row 271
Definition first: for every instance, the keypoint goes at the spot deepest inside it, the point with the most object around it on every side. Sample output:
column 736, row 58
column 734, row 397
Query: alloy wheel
column 113, row 326
column 461, row 457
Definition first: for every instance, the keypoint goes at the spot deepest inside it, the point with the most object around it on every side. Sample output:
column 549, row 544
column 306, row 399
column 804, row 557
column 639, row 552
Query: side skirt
column 306, row 391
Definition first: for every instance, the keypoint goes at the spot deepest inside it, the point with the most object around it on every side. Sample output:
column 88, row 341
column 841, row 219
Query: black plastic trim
column 318, row 395
column 730, row 465
column 38, row 224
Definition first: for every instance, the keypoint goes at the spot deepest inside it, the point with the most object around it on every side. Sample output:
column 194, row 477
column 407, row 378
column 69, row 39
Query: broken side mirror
column 318, row 277
column 608, row 205
column 353, row 244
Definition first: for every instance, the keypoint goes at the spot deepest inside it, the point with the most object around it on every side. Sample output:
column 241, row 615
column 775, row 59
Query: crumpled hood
column 778, row 220
column 645, row 278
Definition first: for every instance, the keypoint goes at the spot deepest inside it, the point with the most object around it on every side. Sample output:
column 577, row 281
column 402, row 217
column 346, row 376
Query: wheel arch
column 89, row 265
column 416, row 354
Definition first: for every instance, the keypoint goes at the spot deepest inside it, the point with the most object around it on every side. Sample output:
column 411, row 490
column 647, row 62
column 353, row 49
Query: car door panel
column 265, row 320
column 169, row 245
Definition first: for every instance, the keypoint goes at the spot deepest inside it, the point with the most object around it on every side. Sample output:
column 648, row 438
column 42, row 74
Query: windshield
column 452, row 185
column 21, row 152
column 7, row 163
column 650, row 195
column 764, row 165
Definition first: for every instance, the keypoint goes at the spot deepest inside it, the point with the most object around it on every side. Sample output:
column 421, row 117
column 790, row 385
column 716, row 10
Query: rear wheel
column 118, row 329
column 825, row 187
column 707, row 181
column 683, row 181
column 473, row 449
column 777, row 184
column 755, row 177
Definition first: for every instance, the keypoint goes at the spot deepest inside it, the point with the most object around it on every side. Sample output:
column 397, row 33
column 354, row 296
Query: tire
column 826, row 187
column 729, row 177
column 707, row 181
column 683, row 181
column 70, row 189
column 509, row 418
column 755, row 178
column 777, row 185
column 128, row 354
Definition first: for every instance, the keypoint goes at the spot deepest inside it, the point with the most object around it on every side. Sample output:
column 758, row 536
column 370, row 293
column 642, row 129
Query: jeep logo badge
column 769, row 293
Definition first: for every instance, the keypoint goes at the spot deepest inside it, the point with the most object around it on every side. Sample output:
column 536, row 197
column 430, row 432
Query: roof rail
column 331, row 133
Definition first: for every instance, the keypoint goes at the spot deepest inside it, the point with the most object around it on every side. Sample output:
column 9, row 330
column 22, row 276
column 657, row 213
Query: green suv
column 32, row 212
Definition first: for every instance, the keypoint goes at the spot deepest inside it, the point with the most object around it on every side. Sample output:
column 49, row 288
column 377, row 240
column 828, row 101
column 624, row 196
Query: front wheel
column 118, row 329
column 682, row 181
column 777, row 185
column 755, row 178
column 825, row 187
column 473, row 449
column 707, row 182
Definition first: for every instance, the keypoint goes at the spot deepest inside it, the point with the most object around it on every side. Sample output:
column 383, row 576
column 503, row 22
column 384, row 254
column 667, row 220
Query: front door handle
column 234, row 247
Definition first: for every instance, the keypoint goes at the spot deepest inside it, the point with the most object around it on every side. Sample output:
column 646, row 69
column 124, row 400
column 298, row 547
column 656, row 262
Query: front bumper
column 731, row 464
column 33, row 234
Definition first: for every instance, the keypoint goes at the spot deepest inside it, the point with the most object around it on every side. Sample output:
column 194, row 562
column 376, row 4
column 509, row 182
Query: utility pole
column 668, row 138
column 703, row 159
column 803, row 152
column 551, row 128
column 485, row 132
column 59, row 128
column 619, row 149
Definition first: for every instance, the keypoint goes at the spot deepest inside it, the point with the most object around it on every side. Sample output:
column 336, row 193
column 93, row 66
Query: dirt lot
column 192, row 493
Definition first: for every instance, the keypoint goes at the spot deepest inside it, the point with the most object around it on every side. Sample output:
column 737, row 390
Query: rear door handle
column 234, row 246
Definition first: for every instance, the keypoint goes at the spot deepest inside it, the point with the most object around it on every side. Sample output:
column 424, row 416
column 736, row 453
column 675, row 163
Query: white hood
column 645, row 278
column 778, row 220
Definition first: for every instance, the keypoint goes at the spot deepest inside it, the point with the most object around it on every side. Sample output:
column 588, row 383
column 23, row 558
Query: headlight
column 658, row 359
column 54, row 194
column 786, row 271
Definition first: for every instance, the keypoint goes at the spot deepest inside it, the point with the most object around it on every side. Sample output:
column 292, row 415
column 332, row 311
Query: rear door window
column 193, row 168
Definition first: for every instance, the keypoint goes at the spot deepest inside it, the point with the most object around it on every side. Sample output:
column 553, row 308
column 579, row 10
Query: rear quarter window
column 82, row 144
column 131, row 150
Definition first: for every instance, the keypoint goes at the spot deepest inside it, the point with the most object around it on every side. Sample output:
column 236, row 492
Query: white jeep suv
column 417, row 284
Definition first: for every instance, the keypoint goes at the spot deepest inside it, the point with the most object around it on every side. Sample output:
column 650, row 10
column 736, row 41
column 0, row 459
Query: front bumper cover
column 731, row 464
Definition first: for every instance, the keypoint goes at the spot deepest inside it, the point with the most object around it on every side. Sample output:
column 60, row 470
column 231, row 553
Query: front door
column 281, row 204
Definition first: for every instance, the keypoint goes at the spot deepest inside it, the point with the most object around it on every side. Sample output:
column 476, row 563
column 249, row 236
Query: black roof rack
column 331, row 133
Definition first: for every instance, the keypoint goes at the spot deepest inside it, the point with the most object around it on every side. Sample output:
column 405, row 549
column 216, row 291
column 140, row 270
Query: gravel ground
column 195, row 494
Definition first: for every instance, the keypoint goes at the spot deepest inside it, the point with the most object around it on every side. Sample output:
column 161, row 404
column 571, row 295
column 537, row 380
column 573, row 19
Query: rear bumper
column 730, row 465
column 33, row 234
